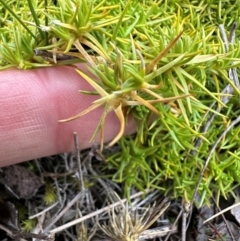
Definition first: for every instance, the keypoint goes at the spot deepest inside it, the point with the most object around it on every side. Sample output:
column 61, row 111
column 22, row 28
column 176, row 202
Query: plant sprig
column 162, row 63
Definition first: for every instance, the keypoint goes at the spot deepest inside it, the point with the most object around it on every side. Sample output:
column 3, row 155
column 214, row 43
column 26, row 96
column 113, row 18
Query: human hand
column 32, row 102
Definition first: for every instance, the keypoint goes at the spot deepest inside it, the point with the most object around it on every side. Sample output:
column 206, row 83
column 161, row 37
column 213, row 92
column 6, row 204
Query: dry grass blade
column 158, row 58
column 121, row 118
column 221, row 212
column 93, row 214
column 127, row 226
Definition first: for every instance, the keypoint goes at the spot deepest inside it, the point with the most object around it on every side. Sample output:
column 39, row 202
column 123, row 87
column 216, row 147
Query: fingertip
column 36, row 106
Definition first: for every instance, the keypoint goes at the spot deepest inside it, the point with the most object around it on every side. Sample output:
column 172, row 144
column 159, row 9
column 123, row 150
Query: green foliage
column 155, row 60
column 28, row 225
column 50, row 195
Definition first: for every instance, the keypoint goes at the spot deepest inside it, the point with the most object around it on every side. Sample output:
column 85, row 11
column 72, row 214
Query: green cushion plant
column 163, row 61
